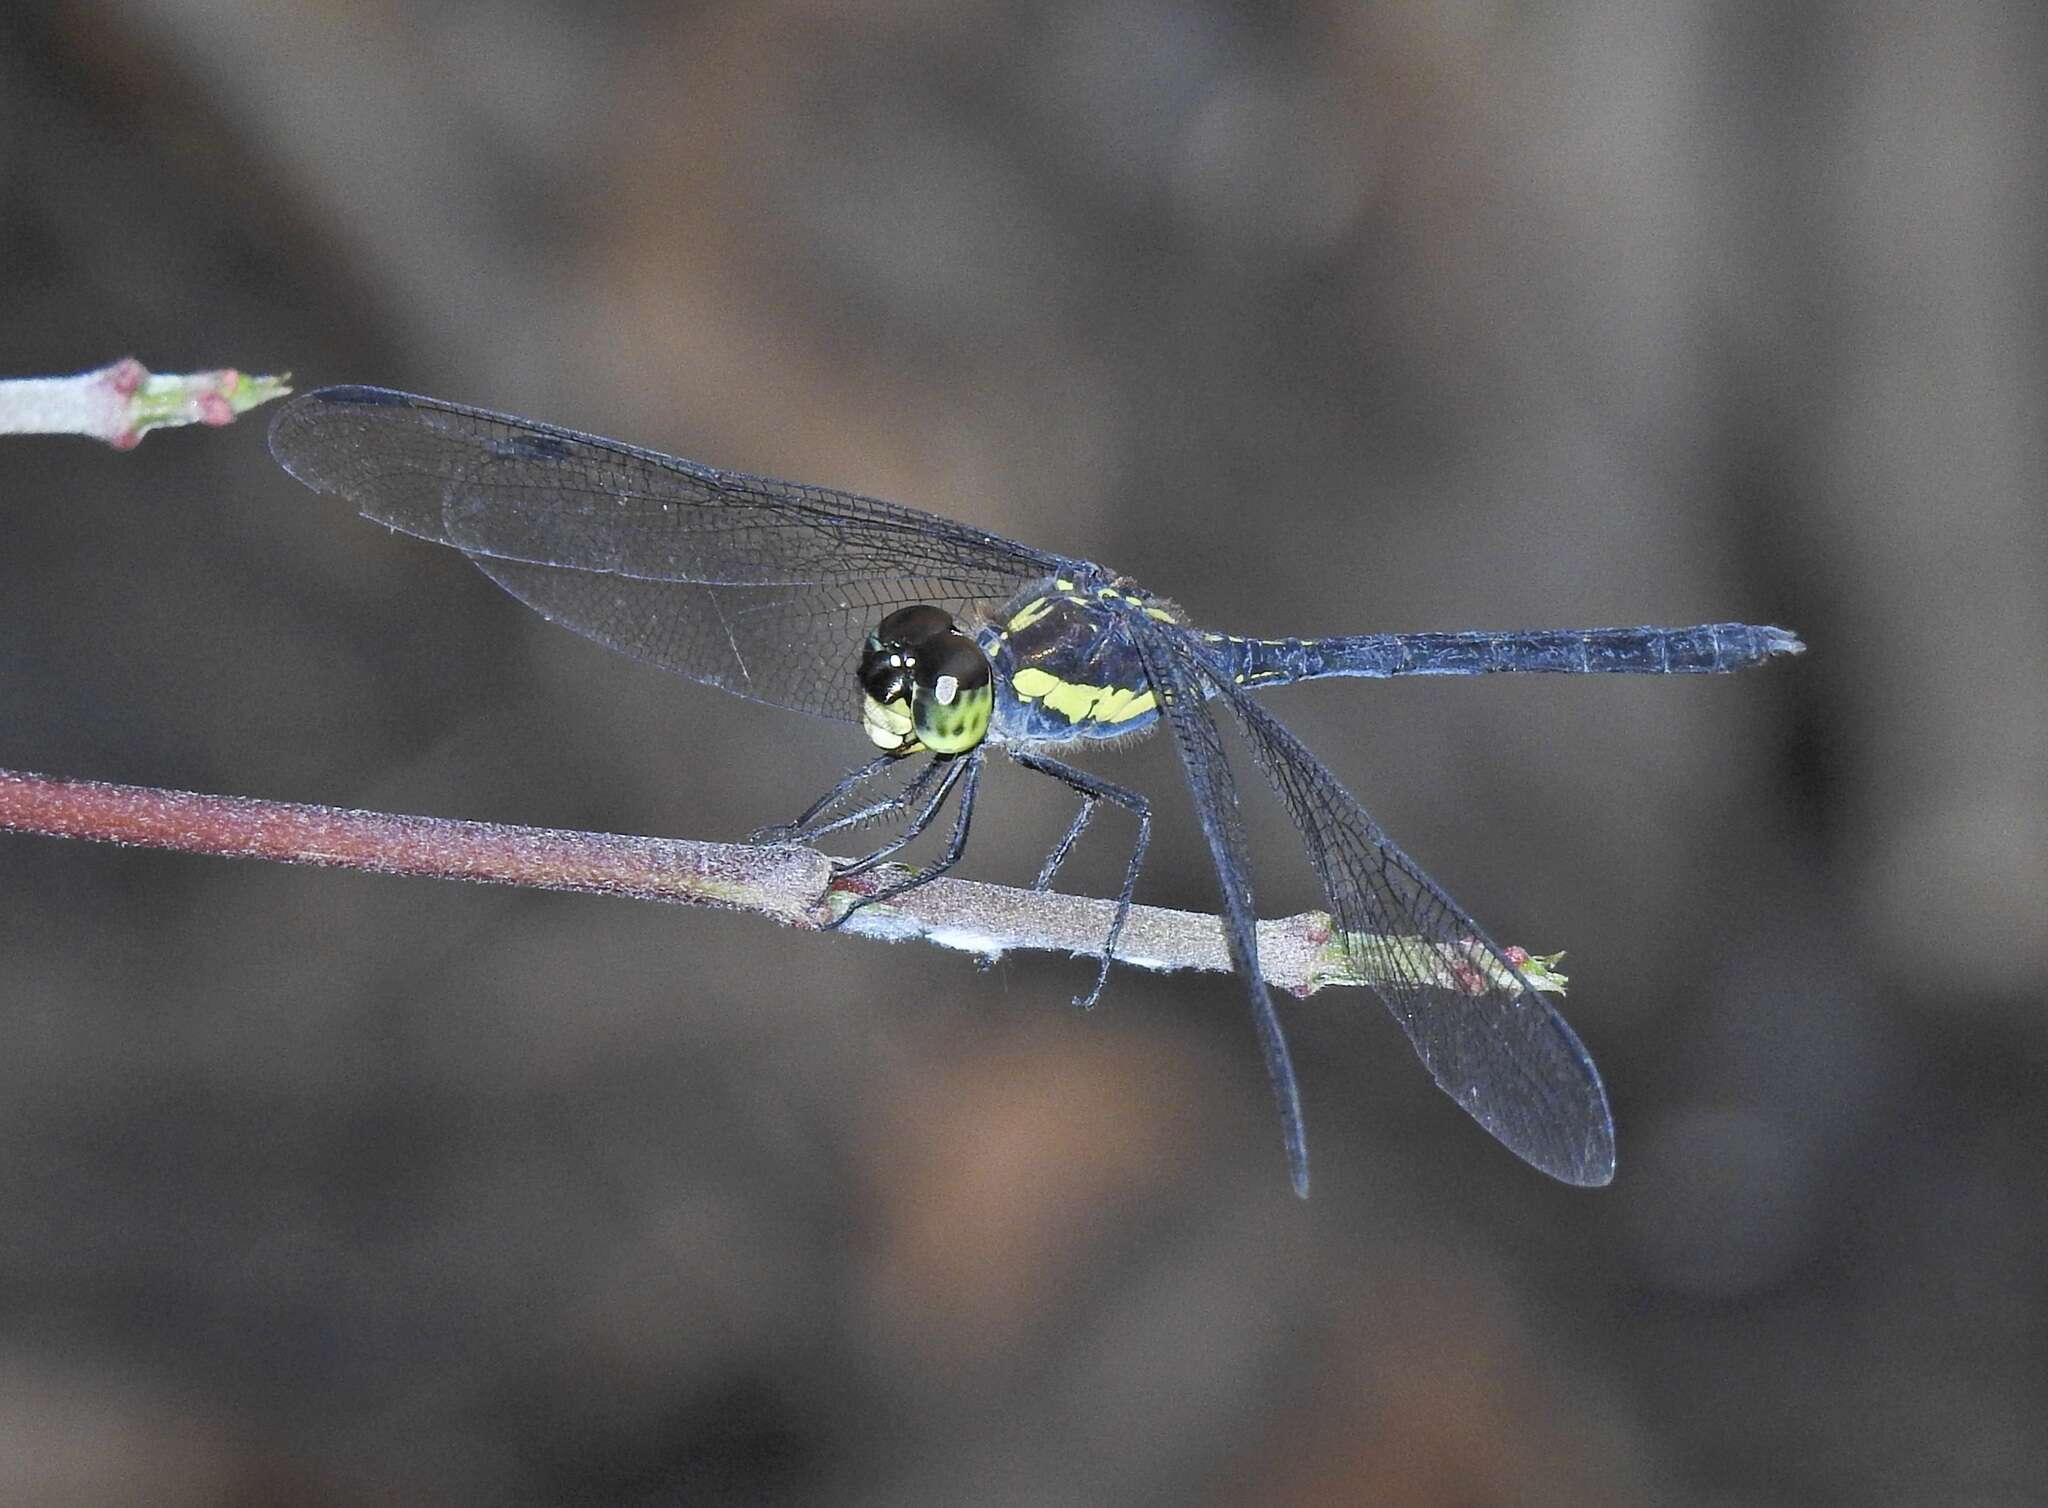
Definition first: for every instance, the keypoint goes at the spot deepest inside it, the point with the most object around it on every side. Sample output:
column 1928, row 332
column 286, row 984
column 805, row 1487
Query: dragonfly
column 944, row 641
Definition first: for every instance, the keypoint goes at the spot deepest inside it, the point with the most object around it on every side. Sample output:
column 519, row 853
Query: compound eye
column 914, row 625
column 954, row 696
column 951, row 668
column 885, row 673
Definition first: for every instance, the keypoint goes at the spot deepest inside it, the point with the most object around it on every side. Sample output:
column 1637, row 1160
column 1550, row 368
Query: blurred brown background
column 330, row 1189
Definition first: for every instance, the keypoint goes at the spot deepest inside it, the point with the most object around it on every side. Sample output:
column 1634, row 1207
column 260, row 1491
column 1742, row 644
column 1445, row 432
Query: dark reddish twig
column 791, row 885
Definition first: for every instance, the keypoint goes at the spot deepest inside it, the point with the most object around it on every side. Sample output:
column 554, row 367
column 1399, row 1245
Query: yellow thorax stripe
column 1028, row 614
column 1080, row 704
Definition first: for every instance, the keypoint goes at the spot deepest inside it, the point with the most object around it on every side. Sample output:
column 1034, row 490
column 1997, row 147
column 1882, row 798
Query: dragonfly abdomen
column 1706, row 649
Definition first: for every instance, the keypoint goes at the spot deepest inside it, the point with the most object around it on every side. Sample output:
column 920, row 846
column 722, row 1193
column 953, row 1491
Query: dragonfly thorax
column 1067, row 665
column 927, row 684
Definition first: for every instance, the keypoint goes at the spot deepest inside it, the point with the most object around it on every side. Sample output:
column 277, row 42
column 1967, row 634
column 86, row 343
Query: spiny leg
column 1093, row 789
column 1061, row 849
column 949, row 770
column 799, row 828
column 807, row 827
column 963, row 771
column 945, row 771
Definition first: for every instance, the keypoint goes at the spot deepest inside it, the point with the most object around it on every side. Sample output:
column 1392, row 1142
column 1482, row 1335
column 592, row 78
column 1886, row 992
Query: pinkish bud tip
column 125, row 376
column 214, row 409
column 127, row 439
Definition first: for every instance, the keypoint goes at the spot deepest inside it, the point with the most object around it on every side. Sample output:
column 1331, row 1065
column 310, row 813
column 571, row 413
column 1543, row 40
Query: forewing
column 1493, row 1044
column 765, row 588
column 1176, row 679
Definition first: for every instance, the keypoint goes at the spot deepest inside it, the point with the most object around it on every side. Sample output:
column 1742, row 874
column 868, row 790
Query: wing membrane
column 1492, row 1043
column 1176, row 677
column 762, row 587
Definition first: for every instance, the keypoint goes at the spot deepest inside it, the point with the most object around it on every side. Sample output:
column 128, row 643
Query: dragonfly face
column 927, row 685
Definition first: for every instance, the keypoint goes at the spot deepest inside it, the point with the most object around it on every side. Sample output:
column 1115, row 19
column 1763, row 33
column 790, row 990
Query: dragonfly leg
column 1061, row 849
column 808, row 826
column 1093, row 790
column 963, row 772
column 947, row 771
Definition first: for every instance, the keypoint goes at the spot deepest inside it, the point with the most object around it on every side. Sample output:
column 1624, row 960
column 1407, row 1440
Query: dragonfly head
column 927, row 684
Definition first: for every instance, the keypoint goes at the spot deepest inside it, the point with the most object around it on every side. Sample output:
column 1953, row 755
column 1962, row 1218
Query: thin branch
column 790, row 885
column 123, row 401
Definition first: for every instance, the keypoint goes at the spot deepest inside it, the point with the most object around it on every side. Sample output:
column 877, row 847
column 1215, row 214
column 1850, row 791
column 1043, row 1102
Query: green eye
column 927, row 684
column 953, row 727
column 953, row 695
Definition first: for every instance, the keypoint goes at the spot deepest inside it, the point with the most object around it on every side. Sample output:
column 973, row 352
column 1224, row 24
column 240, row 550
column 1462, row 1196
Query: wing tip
column 1596, row 1171
column 305, row 463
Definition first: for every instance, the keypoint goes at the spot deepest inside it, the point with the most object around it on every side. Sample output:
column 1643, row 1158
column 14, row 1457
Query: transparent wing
column 1492, row 1043
column 765, row 588
column 1177, row 678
